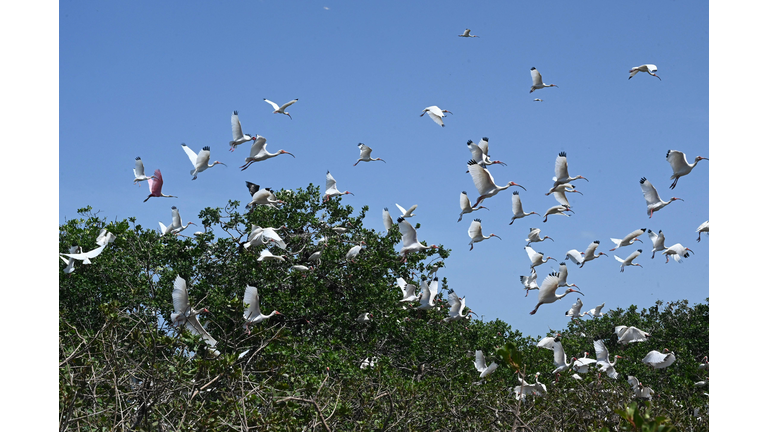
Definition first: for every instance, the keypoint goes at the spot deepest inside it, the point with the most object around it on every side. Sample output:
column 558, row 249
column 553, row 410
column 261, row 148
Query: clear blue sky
column 138, row 79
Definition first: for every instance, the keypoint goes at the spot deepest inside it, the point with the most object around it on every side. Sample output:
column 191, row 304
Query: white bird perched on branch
column 596, row 312
column 628, row 239
column 575, row 310
column 534, row 236
column 677, row 251
column 628, row 260
column 435, row 113
column 410, row 241
column 408, row 290
column 561, row 172
column 652, row 200
column 466, row 34
column 281, row 109
column 387, row 219
column 476, row 234
column 630, row 334
column 364, row 317
column 603, row 360
column 659, row 360
column 466, row 206
column 355, row 251
column 458, row 304
column 185, row 315
column 138, row 172
column 529, row 282
column 657, row 240
column 680, row 165
column 330, row 188
column 407, row 213
column 484, row 182
column 200, row 160
column 259, row 152
column 523, row 390
column 649, row 68
column 538, row 83
column 702, row 228
column 557, row 210
column 175, row 227
column 365, row 155
column 480, row 153
column 517, row 207
column 428, row 294
column 238, row 137
column 547, row 291
column 537, row 258
column 480, row 364
column 252, row 312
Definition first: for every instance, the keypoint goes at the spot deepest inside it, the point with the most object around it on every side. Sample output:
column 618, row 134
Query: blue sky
column 139, row 79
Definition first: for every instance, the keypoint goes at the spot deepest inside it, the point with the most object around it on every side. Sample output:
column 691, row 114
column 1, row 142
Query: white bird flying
column 458, row 304
column 435, row 113
column 184, row 314
column 649, row 68
column 529, row 282
column 104, row 237
column 680, row 165
column 588, row 255
column 538, row 100
column 410, row 241
column 365, row 155
column 407, row 213
column 466, row 34
column 596, row 312
column 603, row 361
column 252, row 312
column 85, row 257
column 408, row 290
column 702, row 228
column 547, row 291
column 480, row 364
column 575, row 310
column 657, row 240
column 659, row 360
column 537, row 258
column 654, row 203
column 200, row 160
column 138, row 172
column 281, row 109
column 561, row 172
column 630, row 334
column 70, row 262
column 677, row 251
column 466, row 206
column 261, row 197
column 582, row 365
column 628, row 239
column 557, row 210
column 330, row 188
column 559, row 357
column 237, row 133
column 175, row 227
column 480, row 153
column 628, row 260
column 534, row 236
column 484, row 182
column 428, row 294
column 387, row 219
column 562, row 281
column 548, row 342
column 476, row 234
column 538, row 83
column 259, row 152
column 266, row 255
column 517, row 207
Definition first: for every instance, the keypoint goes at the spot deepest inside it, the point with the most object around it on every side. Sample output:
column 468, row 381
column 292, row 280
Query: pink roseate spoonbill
column 200, row 160
column 458, row 304
column 537, row 258
column 534, row 236
column 365, row 155
column 428, row 295
column 628, row 239
column 481, row 366
column 138, row 172
column 575, row 310
column 547, row 291
column 649, row 68
column 410, row 242
column 702, row 228
column 582, row 365
column 657, row 240
column 538, row 83
column 408, row 290
column 529, row 282
column 435, row 113
column 175, row 227
column 603, row 358
column 659, row 360
column 281, row 109
column 387, row 219
column 480, row 153
column 628, row 260
column 156, row 186
column 466, row 206
column 252, row 314
column 517, row 208
column 238, row 137
column 259, row 152
column 70, row 262
column 557, row 210
column 560, row 191
column 559, row 357
column 330, row 188
column 407, row 213
column 630, row 334
column 484, row 182
column 466, row 34
column 654, row 203
column 677, row 251
column 354, row 251
column 266, row 255
column 476, row 234
column 563, row 278
column 184, row 314
column 561, row 172
column 596, row 312
column 680, row 165
column 364, row 317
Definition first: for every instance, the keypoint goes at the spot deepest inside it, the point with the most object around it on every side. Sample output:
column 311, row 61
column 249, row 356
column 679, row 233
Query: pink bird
column 156, row 186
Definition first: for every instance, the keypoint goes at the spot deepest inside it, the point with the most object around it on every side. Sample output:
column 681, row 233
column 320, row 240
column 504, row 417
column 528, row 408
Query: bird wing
column 561, row 198
column 548, row 286
column 252, row 187
column 387, row 219
column 274, row 105
column 436, row 117
column 492, row 367
column 104, row 237
column 631, row 334
column 630, row 236
column 704, row 227
column 270, row 233
column 483, row 146
column 649, row 192
column 517, row 205
column 482, row 178
column 531, row 253
column 176, row 218
column 536, row 77
column 634, row 255
column 202, row 158
column 466, row 33
column 563, row 274
column 259, row 146
column 179, row 295
column 475, row 230
column 434, row 288
column 464, row 202
column 365, row 151
column 455, row 301
column 402, row 284
column 287, row 104
column 653, row 236
column 591, row 249
column 574, row 256
column 676, row 160
column 651, row 67
column 480, row 361
column 330, row 182
column 575, row 308
column 477, row 152
column 547, row 342
column 190, row 153
column 601, row 351
column 251, row 302
column 194, row 326
column 654, row 357
column 561, row 168
column 559, row 353
column 408, row 233
column 237, row 130
column 138, row 170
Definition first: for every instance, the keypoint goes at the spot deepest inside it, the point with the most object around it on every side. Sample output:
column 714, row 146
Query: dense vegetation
column 124, row 367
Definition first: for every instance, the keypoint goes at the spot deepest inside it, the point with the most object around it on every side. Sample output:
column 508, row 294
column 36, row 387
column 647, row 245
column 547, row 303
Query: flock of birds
column 427, row 296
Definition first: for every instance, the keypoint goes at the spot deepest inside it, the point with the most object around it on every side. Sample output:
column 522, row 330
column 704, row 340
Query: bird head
column 515, row 184
column 698, row 158
column 570, row 290
column 285, row 152
column 675, row 199
column 217, row 163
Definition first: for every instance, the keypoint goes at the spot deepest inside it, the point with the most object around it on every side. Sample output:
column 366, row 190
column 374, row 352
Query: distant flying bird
column 537, row 258
column 466, row 34
column 408, row 290
column 330, row 188
column 659, row 360
column 588, row 254
column 252, row 312
column 575, row 310
column 534, row 236
column 428, row 295
column 529, row 282
column 628, row 260
column 259, row 152
column 407, row 213
column 680, row 165
column 677, row 251
column 387, row 219
column 480, row 364
column 649, row 68
column 281, row 109
column 199, row 160
column 538, row 100
column 484, row 182
column 466, row 206
column 435, row 113
column 603, row 358
column 702, row 228
column 537, row 81
column 517, row 207
column 365, row 155
column 476, row 234
column 458, row 304
column 184, row 314
column 480, row 153
column 630, row 334
column 237, row 133
column 654, row 203
column 156, row 186
column 557, row 210
column 657, row 240
column 560, row 191
column 596, row 312
column 547, row 291
column 561, row 172
column 138, row 172
column 410, row 242
column 175, row 227
column 628, row 239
